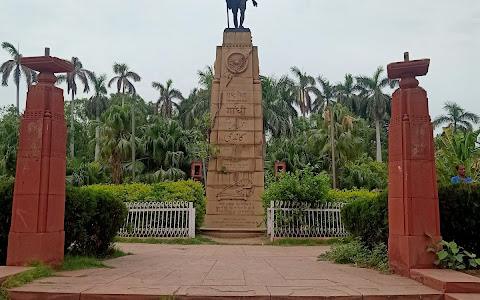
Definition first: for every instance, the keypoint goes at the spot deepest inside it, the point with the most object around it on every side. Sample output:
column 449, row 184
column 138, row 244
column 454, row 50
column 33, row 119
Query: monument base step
column 233, row 232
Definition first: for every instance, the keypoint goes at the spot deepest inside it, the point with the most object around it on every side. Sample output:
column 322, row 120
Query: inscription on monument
column 235, row 208
column 237, row 110
column 235, row 97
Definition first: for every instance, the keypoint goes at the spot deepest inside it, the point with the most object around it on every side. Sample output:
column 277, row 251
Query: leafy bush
column 303, row 187
column 359, row 254
column 459, row 214
column 347, row 196
column 92, row 220
column 184, row 190
column 6, row 200
column 451, row 256
column 364, row 173
column 367, row 218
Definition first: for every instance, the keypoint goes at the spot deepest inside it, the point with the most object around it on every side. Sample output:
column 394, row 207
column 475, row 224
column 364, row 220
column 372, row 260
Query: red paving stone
column 226, row 272
column 462, row 296
column 447, row 281
column 9, row 271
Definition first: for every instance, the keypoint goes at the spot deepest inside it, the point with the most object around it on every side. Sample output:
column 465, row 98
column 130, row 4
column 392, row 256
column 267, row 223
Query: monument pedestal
column 38, row 210
column 414, row 219
column 235, row 178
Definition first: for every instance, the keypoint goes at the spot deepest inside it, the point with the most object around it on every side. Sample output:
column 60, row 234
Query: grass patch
column 73, row 263
column 309, row 242
column 198, row 240
column 357, row 254
column 39, row 271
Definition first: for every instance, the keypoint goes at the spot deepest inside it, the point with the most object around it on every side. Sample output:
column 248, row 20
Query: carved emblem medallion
column 237, row 63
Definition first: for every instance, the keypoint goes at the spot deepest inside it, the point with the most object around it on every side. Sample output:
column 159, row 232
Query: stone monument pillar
column 38, row 211
column 235, row 176
column 413, row 196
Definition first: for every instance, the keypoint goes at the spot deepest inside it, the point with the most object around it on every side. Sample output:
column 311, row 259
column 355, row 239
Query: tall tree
column 165, row 102
column 14, row 65
column 304, row 86
column 198, row 102
column 346, row 95
column 115, row 139
column 371, row 88
column 96, row 105
column 324, row 102
column 456, row 117
column 82, row 74
column 278, row 97
column 124, row 75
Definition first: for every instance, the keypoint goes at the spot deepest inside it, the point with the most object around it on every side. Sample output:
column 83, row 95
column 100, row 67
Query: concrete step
column 447, row 281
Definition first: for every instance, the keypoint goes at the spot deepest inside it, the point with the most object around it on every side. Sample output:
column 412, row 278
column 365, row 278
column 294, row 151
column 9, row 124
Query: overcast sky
column 162, row 39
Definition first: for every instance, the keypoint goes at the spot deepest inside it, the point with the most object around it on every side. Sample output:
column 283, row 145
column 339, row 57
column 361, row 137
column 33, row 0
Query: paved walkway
column 226, row 271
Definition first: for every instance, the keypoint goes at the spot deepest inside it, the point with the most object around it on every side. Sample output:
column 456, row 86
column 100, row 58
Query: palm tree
column 14, row 65
column 278, row 97
column 304, row 86
column 115, row 139
column 345, row 92
column 371, row 88
column 123, row 83
column 124, row 73
column 325, row 100
column 165, row 144
column 83, row 75
column 457, row 117
column 167, row 94
column 198, row 102
column 96, row 105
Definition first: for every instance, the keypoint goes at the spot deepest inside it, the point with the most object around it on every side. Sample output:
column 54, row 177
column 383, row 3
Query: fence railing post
column 191, row 220
column 272, row 220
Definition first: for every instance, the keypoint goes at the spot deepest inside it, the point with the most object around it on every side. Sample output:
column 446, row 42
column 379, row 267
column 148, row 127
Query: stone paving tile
column 227, row 272
column 66, row 291
column 313, row 292
column 404, row 293
column 462, row 296
column 9, row 271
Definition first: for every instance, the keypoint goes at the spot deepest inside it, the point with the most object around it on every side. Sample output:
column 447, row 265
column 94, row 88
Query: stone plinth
column 235, row 176
column 413, row 198
column 38, row 211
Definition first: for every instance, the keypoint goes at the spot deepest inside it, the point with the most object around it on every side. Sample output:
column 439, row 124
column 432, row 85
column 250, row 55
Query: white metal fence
column 159, row 219
column 292, row 219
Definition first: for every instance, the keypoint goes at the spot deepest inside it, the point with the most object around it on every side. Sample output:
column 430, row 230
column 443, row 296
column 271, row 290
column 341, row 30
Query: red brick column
column 38, row 211
column 413, row 198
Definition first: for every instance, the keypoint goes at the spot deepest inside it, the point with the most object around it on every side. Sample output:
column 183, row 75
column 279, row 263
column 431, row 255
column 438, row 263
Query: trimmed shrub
column 166, row 191
column 302, row 187
column 134, row 192
column 92, row 220
column 367, row 218
column 459, row 214
column 6, row 200
column 347, row 196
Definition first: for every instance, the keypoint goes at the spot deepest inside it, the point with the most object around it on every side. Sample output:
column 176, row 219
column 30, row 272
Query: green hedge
column 367, row 218
column 92, row 219
column 166, row 191
column 460, row 214
column 347, row 196
column 6, row 200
